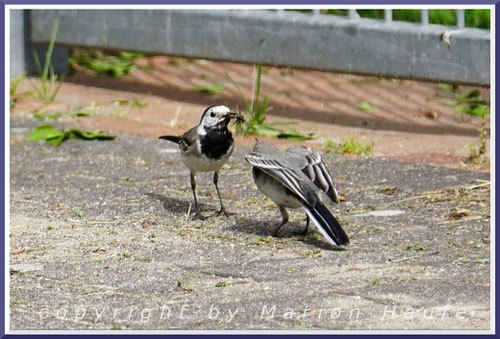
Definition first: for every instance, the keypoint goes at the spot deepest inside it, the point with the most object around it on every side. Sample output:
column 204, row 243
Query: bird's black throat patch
column 216, row 142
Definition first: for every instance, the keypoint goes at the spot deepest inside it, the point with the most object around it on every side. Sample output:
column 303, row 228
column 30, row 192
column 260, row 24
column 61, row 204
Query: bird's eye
column 212, row 114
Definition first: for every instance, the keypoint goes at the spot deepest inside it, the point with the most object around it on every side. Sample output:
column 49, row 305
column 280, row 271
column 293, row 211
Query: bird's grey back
column 300, row 159
column 265, row 150
column 310, row 162
column 265, row 153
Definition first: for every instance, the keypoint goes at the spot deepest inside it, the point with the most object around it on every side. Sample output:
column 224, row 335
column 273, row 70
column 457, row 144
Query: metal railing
column 350, row 44
column 388, row 16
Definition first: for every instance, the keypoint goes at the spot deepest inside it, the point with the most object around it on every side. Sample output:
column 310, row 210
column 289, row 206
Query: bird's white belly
column 276, row 192
column 200, row 164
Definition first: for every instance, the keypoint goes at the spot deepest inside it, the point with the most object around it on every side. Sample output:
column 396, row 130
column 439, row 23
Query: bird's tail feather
column 171, row 138
column 327, row 224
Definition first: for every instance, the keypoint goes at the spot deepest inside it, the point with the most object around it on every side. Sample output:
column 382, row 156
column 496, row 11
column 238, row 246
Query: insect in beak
column 238, row 118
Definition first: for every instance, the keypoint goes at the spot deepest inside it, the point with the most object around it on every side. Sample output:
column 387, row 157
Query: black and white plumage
column 206, row 147
column 293, row 179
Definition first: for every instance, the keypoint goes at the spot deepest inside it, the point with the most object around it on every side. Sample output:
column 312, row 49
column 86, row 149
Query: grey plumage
column 294, row 179
column 312, row 165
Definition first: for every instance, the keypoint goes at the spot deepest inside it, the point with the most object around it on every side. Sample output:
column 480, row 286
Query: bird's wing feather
column 312, row 165
column 186, row 141
column 327, row 224
column 286, row 176
column 172, row 138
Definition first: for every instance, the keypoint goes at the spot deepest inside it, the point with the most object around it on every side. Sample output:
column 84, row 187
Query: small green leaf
column 91, row 135
column 265, row 131
column 473, row 93
column 259, row 239
column 55, row 137
column 365, row 106
column 416, row 247
column 55, row 116
column 316, row 253
column 131, row 55
column 44, row 116
column 44, row 132
column 79, row 213
column 210, row 271
column 478, row 110
column 57, row 140
column 186, row 285
column 479, row 260
column 221, row 284
column 210, row 89
column 83, row 113
column 137, row 103
column 445, row 87
column 116, row 326
column 295, row 135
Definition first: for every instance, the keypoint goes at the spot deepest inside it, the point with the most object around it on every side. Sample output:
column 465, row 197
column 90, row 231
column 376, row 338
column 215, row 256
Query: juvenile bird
column 206, row 147
column 293, row 179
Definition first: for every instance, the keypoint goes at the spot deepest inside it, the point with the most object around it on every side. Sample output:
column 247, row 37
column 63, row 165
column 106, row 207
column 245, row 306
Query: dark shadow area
column 334, row 117
column 292, row 229
column 248, row 226
column 179, row 206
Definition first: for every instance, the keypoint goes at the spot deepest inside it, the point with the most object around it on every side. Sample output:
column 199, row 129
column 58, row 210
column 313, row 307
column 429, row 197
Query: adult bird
column 207, row 146
column 293, row 179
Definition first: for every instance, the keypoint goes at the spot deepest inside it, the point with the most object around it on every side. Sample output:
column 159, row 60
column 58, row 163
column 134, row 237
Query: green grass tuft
column 256, row 111
column 350, row 147
column 49, row 87
column 472, row 103
column 112, row 65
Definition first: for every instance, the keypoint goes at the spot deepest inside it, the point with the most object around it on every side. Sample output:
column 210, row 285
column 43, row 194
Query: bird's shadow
column 247, row 225
column 175, row 205
column 266, row 228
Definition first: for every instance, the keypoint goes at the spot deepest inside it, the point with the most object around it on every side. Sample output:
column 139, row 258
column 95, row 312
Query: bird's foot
column 275, row 233
column 222, row 211
column 198, row 216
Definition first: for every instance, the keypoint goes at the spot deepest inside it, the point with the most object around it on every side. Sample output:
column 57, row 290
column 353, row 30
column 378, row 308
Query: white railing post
column 388, row 15
column 353, row 14
column 424, row 17
column 460, row 18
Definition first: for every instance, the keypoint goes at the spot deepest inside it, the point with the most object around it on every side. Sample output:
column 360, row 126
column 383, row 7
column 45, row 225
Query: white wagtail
column 206, row 147
column 293, row 179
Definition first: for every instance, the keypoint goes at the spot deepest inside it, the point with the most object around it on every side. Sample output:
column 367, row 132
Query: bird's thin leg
column 193, row 188
column 216, row 180
column 284, row 215
column 307, row 225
